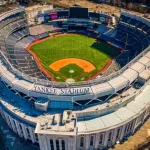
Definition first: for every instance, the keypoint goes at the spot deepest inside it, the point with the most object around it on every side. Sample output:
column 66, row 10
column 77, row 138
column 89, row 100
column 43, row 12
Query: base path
column 85, row 65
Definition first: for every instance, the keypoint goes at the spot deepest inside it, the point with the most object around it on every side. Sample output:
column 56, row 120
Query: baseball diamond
column 64, row 49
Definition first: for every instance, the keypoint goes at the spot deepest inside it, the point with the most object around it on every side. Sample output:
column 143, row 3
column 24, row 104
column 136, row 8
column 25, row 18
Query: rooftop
column 55, row 120
column 113, row 119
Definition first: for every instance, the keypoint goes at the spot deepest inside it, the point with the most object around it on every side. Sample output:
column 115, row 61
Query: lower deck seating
column 124, row 37
column 13, row 47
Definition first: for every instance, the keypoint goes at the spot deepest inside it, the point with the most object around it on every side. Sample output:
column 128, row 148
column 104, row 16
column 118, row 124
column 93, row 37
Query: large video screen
column 78, row 12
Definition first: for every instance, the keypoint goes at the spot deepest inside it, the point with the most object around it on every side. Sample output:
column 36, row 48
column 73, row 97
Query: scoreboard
column 78, row 12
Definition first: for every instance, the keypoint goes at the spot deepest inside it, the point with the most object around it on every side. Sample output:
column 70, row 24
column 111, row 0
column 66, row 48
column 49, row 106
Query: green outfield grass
column 73, row 46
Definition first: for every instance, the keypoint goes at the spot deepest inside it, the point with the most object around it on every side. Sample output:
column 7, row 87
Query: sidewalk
column 2, row 144
column 137, row 139
column 12, row 141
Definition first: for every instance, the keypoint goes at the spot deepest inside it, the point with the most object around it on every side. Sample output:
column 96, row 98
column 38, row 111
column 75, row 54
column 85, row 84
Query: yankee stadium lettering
column 75, row 90
column 61, row 91
column 43, row 89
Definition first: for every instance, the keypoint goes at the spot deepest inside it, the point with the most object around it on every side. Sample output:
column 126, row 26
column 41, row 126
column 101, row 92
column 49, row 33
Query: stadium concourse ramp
column 45, row 112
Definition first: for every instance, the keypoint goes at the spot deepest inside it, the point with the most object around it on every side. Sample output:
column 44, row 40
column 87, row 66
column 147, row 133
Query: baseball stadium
column 73, row 79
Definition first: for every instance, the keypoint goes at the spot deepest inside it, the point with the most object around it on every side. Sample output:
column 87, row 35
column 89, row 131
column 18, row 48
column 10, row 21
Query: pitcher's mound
column 71, row 71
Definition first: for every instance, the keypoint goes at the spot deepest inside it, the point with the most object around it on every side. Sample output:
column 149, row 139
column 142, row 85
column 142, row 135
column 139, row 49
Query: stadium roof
column 116, row 118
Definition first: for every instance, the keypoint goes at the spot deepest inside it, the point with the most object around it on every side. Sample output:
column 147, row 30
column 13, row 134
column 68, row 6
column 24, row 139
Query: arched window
column 63, row 144
column 28, row 132
column 109, row 137
column 15, row 125
column 131, row 126
column 8, row 120
column 57, row 144
column 125, row 129
column 20, row 126
column 51, row 144
column 101, row 139
column 36, row 137
column 82, row 142
column 128, row 128
column 118, row 132
column 91, row 141
column 21, row 130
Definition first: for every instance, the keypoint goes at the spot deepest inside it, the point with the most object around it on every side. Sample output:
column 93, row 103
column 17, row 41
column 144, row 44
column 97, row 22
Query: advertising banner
column 53, row 16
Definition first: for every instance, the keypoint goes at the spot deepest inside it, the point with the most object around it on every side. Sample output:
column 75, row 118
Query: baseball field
column 73, row 56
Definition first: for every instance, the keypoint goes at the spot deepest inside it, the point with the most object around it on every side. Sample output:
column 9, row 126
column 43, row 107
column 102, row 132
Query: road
column 2, row 144
column 12, row 141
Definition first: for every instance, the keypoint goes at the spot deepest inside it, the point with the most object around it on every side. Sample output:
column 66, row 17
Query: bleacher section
column 131, row 34
column 14, row 37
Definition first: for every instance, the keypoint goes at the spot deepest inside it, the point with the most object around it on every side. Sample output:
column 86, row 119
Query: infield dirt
column 85, row 65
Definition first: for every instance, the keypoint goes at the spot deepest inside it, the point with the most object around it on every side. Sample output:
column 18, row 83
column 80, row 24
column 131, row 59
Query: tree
column 130, row 6
column 142, row 8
